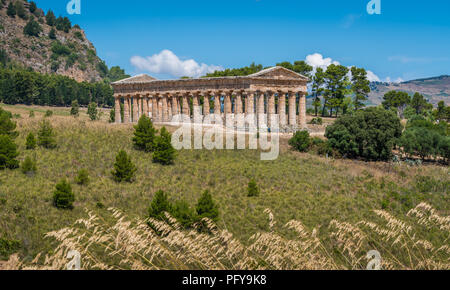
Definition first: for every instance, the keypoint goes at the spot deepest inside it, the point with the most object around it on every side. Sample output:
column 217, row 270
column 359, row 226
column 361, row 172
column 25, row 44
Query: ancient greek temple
column 273, row 92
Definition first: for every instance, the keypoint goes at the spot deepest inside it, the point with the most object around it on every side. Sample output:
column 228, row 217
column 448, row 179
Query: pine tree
column 63, row 196
column 11, row 11
column 46, row 136
column 50, row 18
column 8, row 153
column 144, row 134
column 164, row 153
column 206, row 208
column 31, row 141
column 253, row 189
column 160, row 204
column 75, row 110
column 20, row 10
column 92, row 111
column 52, row 33
column 7, row 126
column 124, row 169
column 32, row 28
column 28, row 166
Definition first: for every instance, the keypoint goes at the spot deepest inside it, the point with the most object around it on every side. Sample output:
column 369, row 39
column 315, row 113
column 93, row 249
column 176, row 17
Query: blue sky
column 410, row 39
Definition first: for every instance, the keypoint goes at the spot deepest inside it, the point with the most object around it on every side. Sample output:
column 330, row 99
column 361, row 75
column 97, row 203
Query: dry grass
column 134, row 245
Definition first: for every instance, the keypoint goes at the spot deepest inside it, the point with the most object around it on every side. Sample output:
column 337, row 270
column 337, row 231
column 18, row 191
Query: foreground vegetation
column 297, row 186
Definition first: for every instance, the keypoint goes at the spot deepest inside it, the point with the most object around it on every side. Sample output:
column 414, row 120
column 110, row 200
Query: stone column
column 260, row 109
column 150, row 106
column 169, row 108
column 117, row 109
column 126, row 109
column 302, row 110
column 206, row 107
column 135, row 108
column 160, row 108
column 282, row 107
column 175, row 105
column 165, row 109
column 292, row 109
column 145, row 105
column 155, row 113
column 217, row 108
column 238, row 103
column 227, row 105
column 270, row 107
column 186, row 111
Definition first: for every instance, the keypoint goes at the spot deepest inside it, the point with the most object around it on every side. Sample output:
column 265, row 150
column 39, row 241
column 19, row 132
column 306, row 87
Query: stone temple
column 273, row 93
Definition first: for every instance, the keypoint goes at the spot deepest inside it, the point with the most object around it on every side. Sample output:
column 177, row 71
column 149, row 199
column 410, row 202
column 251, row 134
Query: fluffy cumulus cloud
column 317, row 60
column 166, row 62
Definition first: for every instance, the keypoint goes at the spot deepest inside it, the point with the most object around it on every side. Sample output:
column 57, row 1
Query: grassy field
column 297, row 186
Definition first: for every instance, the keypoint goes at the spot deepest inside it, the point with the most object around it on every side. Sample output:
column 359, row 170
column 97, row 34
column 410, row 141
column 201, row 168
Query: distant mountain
column 58, row 48
column 435, row 89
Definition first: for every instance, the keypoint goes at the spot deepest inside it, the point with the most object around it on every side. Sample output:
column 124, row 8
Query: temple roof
column 276, row 72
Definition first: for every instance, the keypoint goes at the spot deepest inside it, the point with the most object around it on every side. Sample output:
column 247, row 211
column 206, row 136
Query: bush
column 8, row 247
column 206, row 208
column 164, row 153
column 369, row 134
column 144, row 134
column 124, row 169
column 92, row 111
column 160, row 204
column 28, row 166
column 63, row 196
column 75, row 110
column 31, row 142
column 316, row 121
column 301, row 141
column 32, row 28
column 420, row 141
column 48, row 113
column 252, row 189
column 8, row 153
column 31, row 115
column 46, row 136
column 7, row 126
column 183, row 213
column 82, row 177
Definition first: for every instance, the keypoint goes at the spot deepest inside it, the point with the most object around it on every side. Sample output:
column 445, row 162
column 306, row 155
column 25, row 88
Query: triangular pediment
column 136, row 79
column 278, row 72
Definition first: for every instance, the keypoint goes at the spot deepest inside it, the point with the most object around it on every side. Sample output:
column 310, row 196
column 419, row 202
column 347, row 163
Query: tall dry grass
column 127, row 244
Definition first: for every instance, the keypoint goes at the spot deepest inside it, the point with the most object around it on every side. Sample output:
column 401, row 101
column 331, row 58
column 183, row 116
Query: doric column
column 117, row 109
column 302, row 110
column 238, row 103
column 165, row 109
column 135, row 108
column 292, row 109
column 217, row 108
column 126, row 109
column 227, row 105
column 145, row 104
column 169, row 108
column 206, row 107
column 175, row 104
column 260, row 109
column 282, row 107
column 186, row 111
column 155, row 113
column 160, row 108
column 270, row 107
column 197, row 111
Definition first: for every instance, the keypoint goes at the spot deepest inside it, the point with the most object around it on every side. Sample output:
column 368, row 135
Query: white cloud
column 166, row 62
column 398, row 80
column 316, row 60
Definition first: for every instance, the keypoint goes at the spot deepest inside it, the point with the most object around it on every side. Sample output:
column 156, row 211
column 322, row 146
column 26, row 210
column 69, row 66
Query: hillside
column 435, row 89
column 66, row 52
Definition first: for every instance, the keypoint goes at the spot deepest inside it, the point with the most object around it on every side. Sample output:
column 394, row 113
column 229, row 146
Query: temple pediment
column 279, row 72
column 142, row 78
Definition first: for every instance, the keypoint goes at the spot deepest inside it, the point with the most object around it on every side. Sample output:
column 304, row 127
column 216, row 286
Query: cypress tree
column 160, row 204
column 124, row 169
column 92, row 111
column 63, row 196
column 8, row 153
column 31, row 141
column 46, row 136
column 50, row 18
column 144, row 134
column 11, row 11
column 164, row 153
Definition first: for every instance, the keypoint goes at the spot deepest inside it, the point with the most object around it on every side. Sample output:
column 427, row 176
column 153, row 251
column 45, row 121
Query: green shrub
column 30, row 142
column 144, row 134
column 206, row 208
column 369, row 134
column 316, row 121
column 46, row 136
column 63, row 196
column 252, row 189
column 421, row 141
column 160, row 204
column 28, row 166
column 8, row 153
column 183, row 213
column 82, row 177
column 31, row 115
column 75, row 110
column 124, row 169
column 92, row 111
column 48, row 113
column 301, row 141
column 164, row 153
column 7, row 126
column 8, row 247
column 32, row 28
